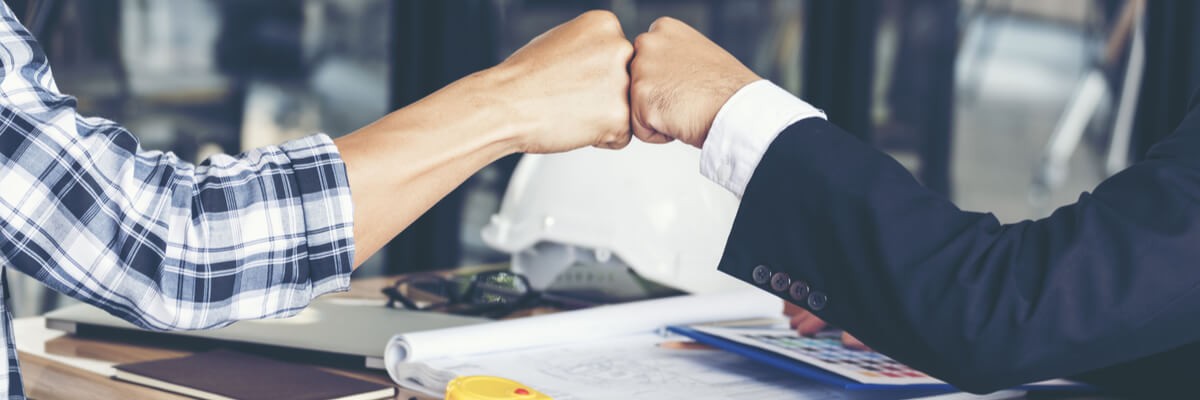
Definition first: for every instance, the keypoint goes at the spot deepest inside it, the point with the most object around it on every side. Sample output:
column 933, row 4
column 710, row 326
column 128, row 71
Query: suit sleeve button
column 780, row 282
column 817, row 301
column 799, row 291
column 761, row 275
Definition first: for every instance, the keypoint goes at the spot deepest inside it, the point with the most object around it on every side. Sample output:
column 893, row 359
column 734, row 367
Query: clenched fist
column 680, row 79
column 570, row 86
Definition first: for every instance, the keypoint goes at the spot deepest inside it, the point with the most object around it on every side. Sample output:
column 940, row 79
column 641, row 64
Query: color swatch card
column 866, row 367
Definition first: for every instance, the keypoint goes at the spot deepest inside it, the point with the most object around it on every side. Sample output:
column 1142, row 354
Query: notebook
column 823, row 358
column 224, row 374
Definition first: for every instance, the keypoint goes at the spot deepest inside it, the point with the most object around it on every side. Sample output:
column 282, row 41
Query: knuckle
column 639, row 89
column 636, row 89
column 602, row 19
column 624, row 50
column 640, row 95
column 637, row 64
column 643, row 41
column 664, row 23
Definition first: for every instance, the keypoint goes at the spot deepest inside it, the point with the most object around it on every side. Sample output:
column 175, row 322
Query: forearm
column 402, row 164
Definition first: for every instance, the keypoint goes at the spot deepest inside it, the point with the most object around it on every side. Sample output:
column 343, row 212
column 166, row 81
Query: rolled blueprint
column 571, row 326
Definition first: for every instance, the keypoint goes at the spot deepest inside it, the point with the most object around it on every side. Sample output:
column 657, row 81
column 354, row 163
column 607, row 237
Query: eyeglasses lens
column 499, row 288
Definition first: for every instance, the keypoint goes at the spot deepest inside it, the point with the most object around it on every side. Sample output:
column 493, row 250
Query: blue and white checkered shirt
column 152, row 239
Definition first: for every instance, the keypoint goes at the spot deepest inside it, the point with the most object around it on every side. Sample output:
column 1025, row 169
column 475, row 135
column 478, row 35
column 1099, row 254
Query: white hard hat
column 647, row 205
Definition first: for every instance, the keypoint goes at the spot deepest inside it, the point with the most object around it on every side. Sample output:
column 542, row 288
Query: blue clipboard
column 819, row 374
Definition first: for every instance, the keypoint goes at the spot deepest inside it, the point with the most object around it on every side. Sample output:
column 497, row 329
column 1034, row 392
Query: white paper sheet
column 403, row 351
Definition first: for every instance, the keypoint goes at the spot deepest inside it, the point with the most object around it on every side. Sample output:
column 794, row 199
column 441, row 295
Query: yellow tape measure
column 490, row 388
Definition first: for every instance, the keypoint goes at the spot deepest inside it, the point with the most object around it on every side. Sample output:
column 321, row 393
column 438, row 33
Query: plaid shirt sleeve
column 152, row 239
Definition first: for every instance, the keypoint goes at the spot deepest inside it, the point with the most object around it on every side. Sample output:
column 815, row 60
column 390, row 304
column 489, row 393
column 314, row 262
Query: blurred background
column 1008, row 106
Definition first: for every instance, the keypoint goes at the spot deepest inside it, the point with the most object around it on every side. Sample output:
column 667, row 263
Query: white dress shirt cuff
column 743, row 130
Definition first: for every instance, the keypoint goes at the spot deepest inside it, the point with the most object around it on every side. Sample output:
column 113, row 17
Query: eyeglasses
column 491, row 294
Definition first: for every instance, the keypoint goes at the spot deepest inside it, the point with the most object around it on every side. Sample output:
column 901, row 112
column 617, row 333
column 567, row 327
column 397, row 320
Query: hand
column 805, row 323
column 680, row 80
column 570, row 85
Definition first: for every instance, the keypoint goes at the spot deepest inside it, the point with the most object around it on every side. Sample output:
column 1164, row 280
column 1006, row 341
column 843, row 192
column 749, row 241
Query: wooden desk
column 45, row 378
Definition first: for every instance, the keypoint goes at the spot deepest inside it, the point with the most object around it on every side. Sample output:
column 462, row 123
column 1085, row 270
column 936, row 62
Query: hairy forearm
column 402, row 164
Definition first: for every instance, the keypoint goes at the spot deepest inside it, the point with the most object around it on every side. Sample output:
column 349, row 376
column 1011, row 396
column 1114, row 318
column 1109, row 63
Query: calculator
column 826, row 352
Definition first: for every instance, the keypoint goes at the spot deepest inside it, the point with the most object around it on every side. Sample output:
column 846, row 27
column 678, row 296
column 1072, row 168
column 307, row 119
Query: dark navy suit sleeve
column 850, row 235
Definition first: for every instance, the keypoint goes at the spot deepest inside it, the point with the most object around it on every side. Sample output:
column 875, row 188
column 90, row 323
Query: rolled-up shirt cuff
column 743, row 130
column 324, row 189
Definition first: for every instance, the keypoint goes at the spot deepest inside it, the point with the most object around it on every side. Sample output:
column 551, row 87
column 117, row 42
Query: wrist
column 493, row 99
column 726, row 89
column 471, row 113
column 484, row 104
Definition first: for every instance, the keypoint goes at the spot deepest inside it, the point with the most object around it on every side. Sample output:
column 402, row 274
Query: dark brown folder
column 223, row 374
